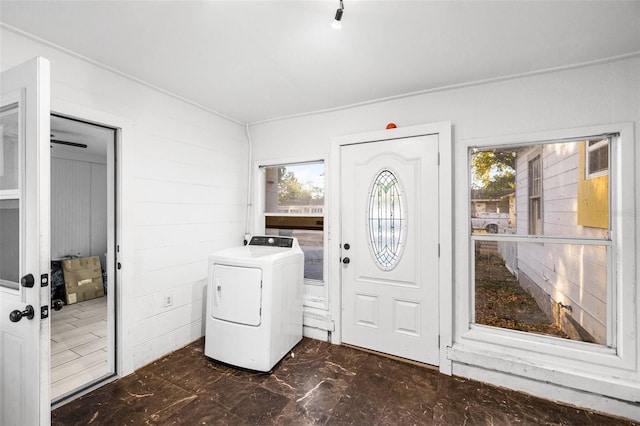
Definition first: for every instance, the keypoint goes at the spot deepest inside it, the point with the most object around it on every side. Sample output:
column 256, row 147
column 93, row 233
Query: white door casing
column 395, row 309
column 25, row 344
column 120, row 204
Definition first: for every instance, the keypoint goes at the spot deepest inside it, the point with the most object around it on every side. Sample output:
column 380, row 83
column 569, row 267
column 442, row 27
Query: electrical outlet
column 168, row 301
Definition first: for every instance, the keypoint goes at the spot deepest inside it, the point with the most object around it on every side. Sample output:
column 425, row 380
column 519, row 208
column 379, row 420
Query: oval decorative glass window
column 387, row 220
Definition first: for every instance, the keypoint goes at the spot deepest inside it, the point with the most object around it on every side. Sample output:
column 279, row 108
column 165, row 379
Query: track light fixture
column 337, row 22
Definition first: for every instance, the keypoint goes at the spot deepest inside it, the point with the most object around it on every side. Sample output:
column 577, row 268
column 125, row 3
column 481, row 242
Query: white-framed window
column 294, row 205
column 597, row 157
column 553, row 280
column 535, row 195
column 579, row 279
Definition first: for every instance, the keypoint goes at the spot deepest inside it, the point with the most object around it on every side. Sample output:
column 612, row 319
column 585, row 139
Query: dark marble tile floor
column 321, row 384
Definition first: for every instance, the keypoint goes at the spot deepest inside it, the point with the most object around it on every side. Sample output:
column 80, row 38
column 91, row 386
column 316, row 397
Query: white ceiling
column 97, row 139
column 259, row 60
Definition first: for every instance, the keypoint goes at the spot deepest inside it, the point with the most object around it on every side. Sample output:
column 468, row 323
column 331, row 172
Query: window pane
column 538, row 189
column 387, row 220
column 9, row 147
column 598, row 160
column 295, row 188
column 535, row 183
column 535, row 216
column 9, row 243
column 544, row 288
column 311, row 243
column 295, row 193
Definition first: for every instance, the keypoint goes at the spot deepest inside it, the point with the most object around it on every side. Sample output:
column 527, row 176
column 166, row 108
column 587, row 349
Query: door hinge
column 438, row 159
column 438, row 249
column 438, row 340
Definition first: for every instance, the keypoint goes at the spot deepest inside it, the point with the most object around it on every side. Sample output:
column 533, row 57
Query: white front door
column 389, row 250
column 24, row 245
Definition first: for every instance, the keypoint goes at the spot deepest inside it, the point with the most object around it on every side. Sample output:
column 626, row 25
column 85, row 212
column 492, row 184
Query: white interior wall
column 584, row 96
column 604, row 93
column 78, row 208
column 98, row 228
column 184, row 169
column 183, row 185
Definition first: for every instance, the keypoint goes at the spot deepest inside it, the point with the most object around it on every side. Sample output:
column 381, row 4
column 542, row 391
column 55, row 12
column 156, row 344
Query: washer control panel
column 272, row 241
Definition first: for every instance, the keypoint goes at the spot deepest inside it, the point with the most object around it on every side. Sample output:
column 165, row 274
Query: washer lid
column 259, row 254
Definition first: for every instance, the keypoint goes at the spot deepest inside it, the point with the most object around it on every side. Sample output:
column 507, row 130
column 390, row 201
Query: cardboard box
column 82, row 279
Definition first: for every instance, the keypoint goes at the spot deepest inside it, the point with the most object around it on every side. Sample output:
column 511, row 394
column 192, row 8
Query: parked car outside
column 490, row 222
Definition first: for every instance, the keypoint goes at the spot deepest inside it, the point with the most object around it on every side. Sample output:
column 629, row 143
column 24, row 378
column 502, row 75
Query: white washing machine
column 254, row 302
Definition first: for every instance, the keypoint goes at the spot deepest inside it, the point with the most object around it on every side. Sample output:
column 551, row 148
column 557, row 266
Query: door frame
column 110, row 266
column 445, row 225
column 123, row 199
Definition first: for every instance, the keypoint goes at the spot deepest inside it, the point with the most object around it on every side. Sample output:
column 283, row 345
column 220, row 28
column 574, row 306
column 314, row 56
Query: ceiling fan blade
column 74, row 144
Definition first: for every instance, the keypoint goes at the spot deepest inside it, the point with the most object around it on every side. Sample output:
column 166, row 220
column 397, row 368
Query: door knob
column 347, row 246
column 346, row 260
column 57, row 304
column 16, row 315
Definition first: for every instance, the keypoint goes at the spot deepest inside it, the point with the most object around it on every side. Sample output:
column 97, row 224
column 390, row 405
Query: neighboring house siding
column 571, row 275
column 560, row 174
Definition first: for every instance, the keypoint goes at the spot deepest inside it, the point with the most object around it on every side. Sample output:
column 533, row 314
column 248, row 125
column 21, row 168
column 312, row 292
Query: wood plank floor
column 78, row 345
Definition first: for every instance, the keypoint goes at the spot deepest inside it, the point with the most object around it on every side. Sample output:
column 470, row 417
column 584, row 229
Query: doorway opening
column 83, row 244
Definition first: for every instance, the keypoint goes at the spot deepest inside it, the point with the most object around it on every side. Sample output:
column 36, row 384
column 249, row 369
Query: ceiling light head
column 337, row 22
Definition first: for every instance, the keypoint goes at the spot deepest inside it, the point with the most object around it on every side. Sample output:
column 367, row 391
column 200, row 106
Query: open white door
column 24, row 245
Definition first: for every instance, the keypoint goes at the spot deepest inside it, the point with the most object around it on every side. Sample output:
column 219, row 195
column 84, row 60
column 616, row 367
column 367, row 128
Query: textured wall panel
column 70, row 208
column 78, row 208
column 99, row 211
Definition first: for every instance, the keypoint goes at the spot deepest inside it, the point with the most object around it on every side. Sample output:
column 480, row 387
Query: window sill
column 568, row 363
column 522, row 364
